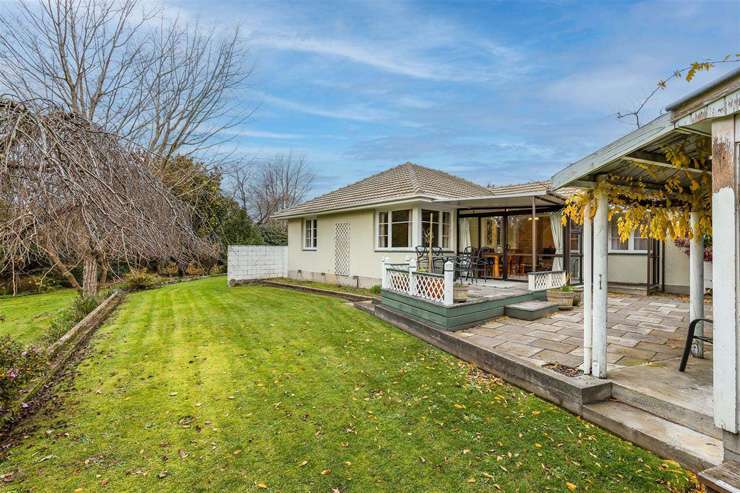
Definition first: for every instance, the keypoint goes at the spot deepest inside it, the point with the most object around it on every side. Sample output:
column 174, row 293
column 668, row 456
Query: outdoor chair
column 465, row 265
column 690, row 340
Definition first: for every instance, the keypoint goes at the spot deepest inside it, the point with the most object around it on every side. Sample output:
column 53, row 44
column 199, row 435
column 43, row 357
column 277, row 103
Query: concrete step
column 667, row 439
column 722, row 479
column 676, row 412
column 530, row 310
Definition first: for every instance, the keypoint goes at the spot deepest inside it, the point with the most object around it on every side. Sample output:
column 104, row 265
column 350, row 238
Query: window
column 436, row 224
column 309, row 234
column 394, row 229
column 635, row 243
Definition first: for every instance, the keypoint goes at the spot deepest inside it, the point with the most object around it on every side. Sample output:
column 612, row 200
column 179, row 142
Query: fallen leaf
column 262, row 486
column 571, row 486
column 303, row 463
column 326, row 472
column 163, row 474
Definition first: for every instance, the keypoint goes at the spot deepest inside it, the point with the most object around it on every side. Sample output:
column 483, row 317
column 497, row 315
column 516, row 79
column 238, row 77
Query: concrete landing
column 531, row 310
column 695, row 450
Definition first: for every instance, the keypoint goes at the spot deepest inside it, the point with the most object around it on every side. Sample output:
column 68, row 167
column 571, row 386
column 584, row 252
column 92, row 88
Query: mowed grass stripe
column 200, row 387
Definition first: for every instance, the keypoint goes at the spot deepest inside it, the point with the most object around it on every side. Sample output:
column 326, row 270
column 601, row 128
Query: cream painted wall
column 676, row 266
column 365, row 260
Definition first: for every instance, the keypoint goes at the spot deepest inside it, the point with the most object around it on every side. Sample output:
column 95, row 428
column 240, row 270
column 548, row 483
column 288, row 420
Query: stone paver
column 640, row 330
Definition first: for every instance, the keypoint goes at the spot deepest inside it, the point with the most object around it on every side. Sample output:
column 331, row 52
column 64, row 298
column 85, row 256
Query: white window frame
column 440, row 227
column 630, row 243
column 412, row 227
column 314, row 238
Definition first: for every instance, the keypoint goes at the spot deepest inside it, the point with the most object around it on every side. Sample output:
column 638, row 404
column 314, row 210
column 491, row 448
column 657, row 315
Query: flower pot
column 460, row 293
column 563, row 298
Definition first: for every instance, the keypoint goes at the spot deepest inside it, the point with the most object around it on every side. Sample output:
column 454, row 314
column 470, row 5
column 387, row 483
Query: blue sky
column 496, row 92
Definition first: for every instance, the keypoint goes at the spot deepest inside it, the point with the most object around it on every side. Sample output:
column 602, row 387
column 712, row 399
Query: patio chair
column 465, row 265
column 421, row 255
column 690, row 340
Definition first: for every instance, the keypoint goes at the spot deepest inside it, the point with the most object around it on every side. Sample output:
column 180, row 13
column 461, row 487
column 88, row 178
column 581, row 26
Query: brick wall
column 248, row 262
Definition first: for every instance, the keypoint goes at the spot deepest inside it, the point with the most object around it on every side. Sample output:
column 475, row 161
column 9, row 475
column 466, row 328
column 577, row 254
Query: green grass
column 200, row 387
column 326, row 285
column 27, row 317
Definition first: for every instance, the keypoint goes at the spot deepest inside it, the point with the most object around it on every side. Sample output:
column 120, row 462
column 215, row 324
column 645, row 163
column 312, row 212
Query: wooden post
column 725, row 251
column 384, row 273
column 449, row 273
column 696, row 283
column 534, row 236
column 412, row 277
column 587, row 289
column 600, row 282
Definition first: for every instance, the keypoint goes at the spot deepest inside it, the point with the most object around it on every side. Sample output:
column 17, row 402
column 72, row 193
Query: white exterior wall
column 250, row 262
column 318, row 265
column 365, row 258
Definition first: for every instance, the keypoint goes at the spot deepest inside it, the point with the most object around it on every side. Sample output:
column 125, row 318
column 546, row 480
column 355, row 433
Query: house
column 343, row 236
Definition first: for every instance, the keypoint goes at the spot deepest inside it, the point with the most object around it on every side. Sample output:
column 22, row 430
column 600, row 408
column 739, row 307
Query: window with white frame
column 635, row 243
column 394, row 229
column 310, row 234
column 436, row 224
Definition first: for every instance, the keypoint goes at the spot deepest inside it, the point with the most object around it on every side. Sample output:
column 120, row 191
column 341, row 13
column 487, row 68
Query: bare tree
column 279, row 183
column 83, row 196
column 164, row 85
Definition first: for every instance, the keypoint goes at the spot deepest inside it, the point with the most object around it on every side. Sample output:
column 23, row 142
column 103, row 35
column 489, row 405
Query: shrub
column 139, row 279
column 80, row 308
column 375, row 289
column 194, row 269
column 18, row 367
column 168, row 269
column 216, row 269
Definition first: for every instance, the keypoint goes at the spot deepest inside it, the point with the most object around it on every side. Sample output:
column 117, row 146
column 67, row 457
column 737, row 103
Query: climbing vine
column 657, row 211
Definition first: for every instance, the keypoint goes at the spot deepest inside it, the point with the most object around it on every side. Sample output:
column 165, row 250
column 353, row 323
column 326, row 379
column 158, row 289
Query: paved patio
column 641, row 330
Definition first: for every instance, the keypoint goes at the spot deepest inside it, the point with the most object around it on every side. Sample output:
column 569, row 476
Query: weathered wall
column 249, row 262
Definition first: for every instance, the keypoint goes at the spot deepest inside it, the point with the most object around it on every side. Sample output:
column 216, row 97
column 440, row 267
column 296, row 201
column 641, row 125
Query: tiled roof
column 402, row 182
column 532, row 188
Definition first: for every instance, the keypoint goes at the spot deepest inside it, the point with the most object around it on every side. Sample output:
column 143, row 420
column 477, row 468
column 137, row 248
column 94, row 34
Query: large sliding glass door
column 509, row 247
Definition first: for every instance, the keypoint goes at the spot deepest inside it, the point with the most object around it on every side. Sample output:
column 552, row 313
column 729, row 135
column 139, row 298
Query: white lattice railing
column 405, row 279
column 540, row 281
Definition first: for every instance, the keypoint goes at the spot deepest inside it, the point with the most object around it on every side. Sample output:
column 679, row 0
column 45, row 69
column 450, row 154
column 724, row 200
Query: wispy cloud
column 361, row 113
column 260, row 134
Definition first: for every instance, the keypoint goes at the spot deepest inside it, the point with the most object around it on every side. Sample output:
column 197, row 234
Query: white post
column 384, row 273
column 412, row 277
column 725, row 273
column 696, row 283
column 587, row 289
column 600, row 281
column 449, row 273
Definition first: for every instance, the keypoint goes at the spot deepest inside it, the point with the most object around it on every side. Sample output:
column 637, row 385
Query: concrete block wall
column 250, row 262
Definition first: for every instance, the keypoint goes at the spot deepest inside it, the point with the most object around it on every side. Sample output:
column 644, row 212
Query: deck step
column 697, row 420
column 722, row 479
column 530, row 310
column 667, row 439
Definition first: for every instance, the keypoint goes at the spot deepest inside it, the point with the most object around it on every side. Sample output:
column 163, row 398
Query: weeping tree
column 82, row 196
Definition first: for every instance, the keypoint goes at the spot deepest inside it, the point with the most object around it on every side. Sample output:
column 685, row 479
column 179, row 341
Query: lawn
column 328, row 286
column 27, row 317
column 196, row 387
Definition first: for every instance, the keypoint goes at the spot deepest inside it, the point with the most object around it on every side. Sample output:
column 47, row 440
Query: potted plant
column 563, row 296
column 460, row 292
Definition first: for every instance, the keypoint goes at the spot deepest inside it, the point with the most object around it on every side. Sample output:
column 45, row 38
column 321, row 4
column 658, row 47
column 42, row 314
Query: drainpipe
column 586, row 239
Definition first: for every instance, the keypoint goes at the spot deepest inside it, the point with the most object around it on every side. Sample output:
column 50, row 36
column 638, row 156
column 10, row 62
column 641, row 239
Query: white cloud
column 360, row 113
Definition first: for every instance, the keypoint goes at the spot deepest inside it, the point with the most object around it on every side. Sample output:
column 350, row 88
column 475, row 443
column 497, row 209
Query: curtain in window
column 557, row 239
column 464, row 234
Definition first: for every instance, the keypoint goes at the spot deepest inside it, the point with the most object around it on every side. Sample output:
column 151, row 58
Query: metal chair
column 690, row 340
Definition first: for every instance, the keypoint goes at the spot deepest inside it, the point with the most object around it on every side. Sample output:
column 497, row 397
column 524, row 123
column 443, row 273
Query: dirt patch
column 568, row 371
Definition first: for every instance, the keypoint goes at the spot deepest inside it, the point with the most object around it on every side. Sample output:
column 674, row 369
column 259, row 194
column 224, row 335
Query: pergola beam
column 650, row 160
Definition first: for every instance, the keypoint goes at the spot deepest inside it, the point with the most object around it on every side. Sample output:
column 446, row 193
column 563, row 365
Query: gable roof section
column 407, row 181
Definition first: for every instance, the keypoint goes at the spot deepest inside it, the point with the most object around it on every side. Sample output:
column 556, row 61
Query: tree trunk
column 89, row 276
column 63, row 268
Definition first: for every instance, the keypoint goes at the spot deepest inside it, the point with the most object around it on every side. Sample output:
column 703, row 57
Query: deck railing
column 408, row 280
column 541, row 281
